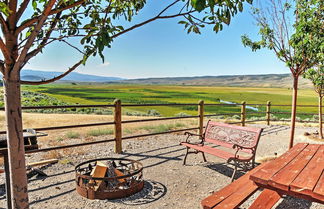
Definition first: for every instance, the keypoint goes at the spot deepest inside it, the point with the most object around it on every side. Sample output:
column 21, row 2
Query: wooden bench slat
column 266, row 200
column 219, row 196
column 307, row 179
column 238, row 197
column 214, row 151
column 227, row 145
column 285, row 177
column 319, row 189
column 267, row 172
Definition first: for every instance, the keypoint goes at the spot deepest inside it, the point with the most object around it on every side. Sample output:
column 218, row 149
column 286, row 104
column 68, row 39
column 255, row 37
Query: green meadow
column 156, row 94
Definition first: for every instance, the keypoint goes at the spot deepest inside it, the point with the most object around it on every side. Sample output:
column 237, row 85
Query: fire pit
column 109, row 178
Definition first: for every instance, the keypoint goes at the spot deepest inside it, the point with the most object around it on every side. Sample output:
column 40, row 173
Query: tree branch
column 150, row 20
column 12, row 14
column 45, row 39
column 55, row 78
column 33, row 35
column 2, row 67
column 3, row 24
column 33, row 20
column 167, row 7
column 21, row 9
column 4, row 50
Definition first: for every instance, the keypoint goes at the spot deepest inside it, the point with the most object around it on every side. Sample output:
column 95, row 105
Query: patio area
column 168, row 184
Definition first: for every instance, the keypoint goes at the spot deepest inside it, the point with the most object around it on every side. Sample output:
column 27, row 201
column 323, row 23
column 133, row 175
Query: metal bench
column 240, row 144
column 236, row 193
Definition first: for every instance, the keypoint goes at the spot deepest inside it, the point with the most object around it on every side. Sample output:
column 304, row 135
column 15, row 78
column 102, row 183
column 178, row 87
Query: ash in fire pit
column 109, row 178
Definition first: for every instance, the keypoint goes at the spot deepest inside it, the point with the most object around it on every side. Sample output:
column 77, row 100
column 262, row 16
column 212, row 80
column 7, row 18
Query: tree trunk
column 320, row 121
column 293, row 111
column 16, row 150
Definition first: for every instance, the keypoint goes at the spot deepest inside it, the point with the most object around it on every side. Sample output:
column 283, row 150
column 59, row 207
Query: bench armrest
column 236, row 146
column 192, row 134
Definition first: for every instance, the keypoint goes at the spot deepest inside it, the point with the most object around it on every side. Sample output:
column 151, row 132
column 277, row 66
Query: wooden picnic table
column 298, row 172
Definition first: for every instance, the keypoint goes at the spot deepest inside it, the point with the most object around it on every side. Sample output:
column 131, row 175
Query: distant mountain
column 36, row 75
column 265, row 80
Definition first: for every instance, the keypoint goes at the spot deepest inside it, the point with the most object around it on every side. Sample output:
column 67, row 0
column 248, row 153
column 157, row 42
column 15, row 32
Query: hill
column 36, row 75
column 266, row 80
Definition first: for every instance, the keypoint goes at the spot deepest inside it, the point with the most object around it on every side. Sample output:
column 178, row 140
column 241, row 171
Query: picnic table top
column 26, row 134
column 299, row 172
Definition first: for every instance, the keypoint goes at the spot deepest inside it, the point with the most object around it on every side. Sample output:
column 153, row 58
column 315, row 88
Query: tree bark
column 16, row 150
column 320, row 119
column 293, row 111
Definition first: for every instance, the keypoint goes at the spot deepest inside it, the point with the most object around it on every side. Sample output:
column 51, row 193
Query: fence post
column 118, row 126
column 268, row 113
column 243, row 113
column 201, row 116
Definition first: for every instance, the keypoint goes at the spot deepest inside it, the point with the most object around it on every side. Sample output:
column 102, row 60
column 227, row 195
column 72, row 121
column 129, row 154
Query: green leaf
column 199, row 5
column 34, row 4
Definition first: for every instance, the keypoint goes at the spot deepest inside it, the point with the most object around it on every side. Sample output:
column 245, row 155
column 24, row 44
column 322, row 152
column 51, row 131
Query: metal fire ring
column 118, row 186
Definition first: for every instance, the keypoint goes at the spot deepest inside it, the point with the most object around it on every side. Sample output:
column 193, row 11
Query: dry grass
column 38, row 120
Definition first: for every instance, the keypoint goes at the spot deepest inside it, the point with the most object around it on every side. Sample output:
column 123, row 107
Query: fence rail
column 118, row 122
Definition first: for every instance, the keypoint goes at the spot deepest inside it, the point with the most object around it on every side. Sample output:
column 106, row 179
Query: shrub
column 100, row 132
column 236, row 117
column 72, row 135
column 181, row 114
column 153, row 113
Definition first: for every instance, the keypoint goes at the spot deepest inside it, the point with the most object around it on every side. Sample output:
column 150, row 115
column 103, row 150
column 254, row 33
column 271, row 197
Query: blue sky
column 164, row 49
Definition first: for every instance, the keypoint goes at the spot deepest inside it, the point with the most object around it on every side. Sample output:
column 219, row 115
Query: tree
column 316, row 75
column 297, row 44
column 28, row 27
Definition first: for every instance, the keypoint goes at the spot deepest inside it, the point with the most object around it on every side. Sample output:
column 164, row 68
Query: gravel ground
column 168, row 184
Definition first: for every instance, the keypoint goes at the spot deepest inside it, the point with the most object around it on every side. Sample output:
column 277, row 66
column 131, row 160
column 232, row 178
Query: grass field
column 148, row 94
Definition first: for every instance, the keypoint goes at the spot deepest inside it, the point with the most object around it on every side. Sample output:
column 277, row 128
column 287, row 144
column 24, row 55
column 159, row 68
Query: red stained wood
column 239, row 196
column 307, row 179
column 214, row 151
column 286, row 176
column 225, row 193
column 319, row 189
column 264, row 174
column 299, row 172
column 266, row 200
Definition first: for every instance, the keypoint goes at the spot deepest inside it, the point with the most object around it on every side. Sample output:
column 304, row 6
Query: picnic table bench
column 236, row 193
column 240, row 144
column 299, row 172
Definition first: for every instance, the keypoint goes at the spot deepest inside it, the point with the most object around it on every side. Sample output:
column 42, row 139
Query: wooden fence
column 118, row 122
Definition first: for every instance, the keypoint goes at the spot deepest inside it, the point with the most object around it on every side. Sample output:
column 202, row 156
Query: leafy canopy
column 298, row 44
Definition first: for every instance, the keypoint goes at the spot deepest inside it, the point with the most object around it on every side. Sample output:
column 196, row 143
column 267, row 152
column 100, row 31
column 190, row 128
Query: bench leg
column 203, row 154
column 234, row 172
column 185, row 158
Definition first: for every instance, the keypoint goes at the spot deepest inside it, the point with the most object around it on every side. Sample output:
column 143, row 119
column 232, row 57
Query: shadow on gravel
column 52, row 197
column 294, row 203
column 159, row 155
column 274, row 129
column 151, row 192
column 224, row 169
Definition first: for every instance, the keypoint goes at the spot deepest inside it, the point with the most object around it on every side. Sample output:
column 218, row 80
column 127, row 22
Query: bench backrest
column 226, row 135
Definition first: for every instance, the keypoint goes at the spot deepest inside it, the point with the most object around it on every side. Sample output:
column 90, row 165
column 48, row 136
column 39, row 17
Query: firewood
column 50, row 161
column 98, row 172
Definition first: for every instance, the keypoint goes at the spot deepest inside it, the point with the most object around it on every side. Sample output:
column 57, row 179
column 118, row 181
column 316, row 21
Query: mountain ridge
column 38, row 75
column 260, row 80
